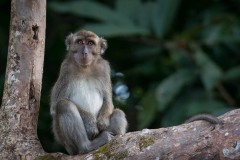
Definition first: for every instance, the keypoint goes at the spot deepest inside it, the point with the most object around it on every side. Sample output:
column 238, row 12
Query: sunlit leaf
column 209, row 71
column 91, row 9
column 164, row 12
column 111, row 30
column 171, row 86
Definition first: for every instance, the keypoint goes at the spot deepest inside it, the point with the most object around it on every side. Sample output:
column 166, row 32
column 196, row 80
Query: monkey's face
column 85, row 46
column 85, row 51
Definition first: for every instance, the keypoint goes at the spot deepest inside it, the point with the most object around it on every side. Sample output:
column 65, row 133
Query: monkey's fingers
column 111, row 133
column 92, row 132
column 103, row 124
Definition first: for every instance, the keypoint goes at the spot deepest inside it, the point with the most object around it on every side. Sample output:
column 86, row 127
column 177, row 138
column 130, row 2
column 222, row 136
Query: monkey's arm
column 90, row 123
column 107, row 107
column 59, row 90
column 104, row 115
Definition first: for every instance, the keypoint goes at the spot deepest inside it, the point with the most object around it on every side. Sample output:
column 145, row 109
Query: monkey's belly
column 86, row 95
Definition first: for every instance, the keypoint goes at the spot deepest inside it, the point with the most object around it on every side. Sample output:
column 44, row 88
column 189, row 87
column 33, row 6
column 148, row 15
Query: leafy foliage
column 171, row 59
column 210, row 73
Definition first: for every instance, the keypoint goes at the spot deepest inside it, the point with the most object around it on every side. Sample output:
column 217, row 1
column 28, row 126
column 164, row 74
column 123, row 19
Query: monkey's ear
column 104, row 45
column 68, row 41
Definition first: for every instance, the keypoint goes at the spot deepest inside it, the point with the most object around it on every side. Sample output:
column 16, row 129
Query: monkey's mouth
column 84, row 61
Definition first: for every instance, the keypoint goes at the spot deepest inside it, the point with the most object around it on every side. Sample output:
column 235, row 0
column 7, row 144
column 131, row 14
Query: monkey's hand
column 90, row 124
column 103, row 123
column 91, row 129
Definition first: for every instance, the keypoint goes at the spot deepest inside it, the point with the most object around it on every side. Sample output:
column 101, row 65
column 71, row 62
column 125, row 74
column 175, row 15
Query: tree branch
column 193, row 141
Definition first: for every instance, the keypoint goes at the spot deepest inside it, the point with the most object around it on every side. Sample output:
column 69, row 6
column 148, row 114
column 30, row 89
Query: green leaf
column 171, row 86
column 200, row 105
column 111, row 30
column 163, row 15
column 209, row 71
column 220, row 27
column 145, row 51
column 128, row 8
column 91, row 9
column 148, row 110
column 144, row 15
column 232, row 74
column 147, row 68
column 212, row 34
column 190, row 103
column 174, row 115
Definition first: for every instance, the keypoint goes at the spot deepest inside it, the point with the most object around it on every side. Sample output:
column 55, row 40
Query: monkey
column 81, row 106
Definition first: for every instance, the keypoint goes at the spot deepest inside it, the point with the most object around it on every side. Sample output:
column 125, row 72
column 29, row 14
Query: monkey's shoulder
column 103, row 63
column 101, row 68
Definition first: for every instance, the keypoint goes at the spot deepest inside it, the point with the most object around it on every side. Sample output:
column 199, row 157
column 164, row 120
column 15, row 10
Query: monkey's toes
column 107, row 136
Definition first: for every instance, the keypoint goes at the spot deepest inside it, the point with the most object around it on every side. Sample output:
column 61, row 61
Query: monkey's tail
column 205, row 117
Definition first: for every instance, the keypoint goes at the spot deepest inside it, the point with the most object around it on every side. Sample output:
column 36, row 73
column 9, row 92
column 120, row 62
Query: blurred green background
column 170, row 59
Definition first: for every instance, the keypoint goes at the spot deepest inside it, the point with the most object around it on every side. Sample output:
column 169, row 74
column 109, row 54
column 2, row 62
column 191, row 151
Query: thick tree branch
column 193, row 141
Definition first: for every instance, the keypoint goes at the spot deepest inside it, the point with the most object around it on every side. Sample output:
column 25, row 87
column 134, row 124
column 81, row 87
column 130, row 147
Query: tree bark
column 194, row 141
column 22, row 89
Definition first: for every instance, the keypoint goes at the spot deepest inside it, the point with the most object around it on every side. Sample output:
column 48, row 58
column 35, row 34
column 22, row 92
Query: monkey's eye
column 79, row 41
column 90, row 43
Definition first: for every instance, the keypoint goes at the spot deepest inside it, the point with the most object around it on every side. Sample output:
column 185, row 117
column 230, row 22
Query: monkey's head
column 85, row 47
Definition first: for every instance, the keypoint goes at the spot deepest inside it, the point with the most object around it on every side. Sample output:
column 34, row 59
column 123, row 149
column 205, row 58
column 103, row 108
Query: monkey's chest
column 87, row 96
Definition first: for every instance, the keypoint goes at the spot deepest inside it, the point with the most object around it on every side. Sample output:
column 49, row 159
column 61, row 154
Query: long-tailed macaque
column 83, row 114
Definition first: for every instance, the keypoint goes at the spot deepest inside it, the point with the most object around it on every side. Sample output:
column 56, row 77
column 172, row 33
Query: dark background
column 170, row 59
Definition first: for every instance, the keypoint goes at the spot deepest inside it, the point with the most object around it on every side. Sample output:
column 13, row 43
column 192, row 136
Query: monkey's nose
column 84, row 54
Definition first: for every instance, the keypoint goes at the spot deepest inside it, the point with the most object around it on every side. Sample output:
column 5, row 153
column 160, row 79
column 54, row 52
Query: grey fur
column 205, row 117
column 83, row 114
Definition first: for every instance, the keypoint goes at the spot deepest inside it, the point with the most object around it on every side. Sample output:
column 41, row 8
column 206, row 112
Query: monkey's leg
column 90, row 123
column 71, row 131
column 118, row 122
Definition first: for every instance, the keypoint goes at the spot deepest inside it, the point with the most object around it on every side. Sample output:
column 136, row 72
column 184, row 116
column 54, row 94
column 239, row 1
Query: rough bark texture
column 22, row 90
column 194, row 141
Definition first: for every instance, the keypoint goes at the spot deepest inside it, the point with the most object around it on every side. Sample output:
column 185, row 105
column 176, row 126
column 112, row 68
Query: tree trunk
column 22, row 89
